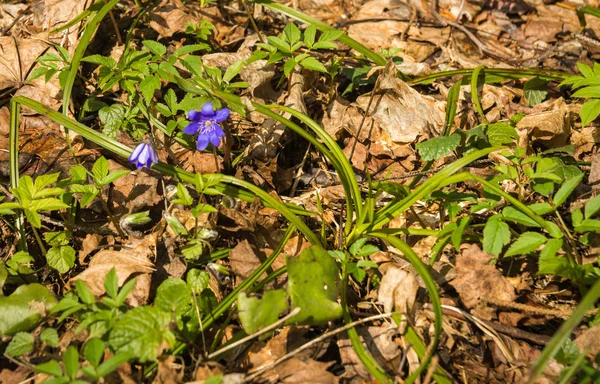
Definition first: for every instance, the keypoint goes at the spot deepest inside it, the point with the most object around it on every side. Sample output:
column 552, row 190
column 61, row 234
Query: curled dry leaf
column 551, row 127
column 130, row 261
column 170, row 16
column 398, row 291
column 476, row 279
column 134, row 191
column 402, row 113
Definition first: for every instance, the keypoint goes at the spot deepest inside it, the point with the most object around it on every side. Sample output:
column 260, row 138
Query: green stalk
column 564, row 332
column 502, row 72
column 475, row 93
column 434, row 296
column 582, row 11
column 13, row 152
column 345, row 39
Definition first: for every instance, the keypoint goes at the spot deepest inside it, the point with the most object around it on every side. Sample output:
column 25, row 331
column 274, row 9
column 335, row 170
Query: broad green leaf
column 111, row 283
column 565, row 190
column 100, row 169
column 279, row 44
column 50, row 337
column 47, row 204
column 113, row 363
column 585, row 69
column 174, row 296
column 183, row 196
column 592, row 207
column 588, row 225
column 141, row 332
column 510, row 213
column 291, row 33
column 289, row 66
column 24, row 308
column 148, row 86
column 112, row 117
column 93, row 351
column 108, row 62
column 496, row 234
column 501, row 133
column 576, row 217
column 155, row 47
column 49, row 368
column 85, row 294
column 438, row 147
column 71, row 362
column 43, row 181
column 535, row 90
column 139, row 218
column 309, row 36
column 313, row 279
column 233, row 70
column 197, row 280
column 525, row 244
column 331, row 35
column 57, row 238
column 541, row 208
column 588, row 92
column 589, row 111
column 33, row 218
column 549, row 263
column 256, row 314
column 20, row 344
column 61, row 258
column 313, row 64
column 178, row 228
column 112, row 177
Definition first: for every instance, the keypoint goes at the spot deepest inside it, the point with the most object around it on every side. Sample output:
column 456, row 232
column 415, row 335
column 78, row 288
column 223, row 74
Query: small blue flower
column 143, row 156
column 205, row 124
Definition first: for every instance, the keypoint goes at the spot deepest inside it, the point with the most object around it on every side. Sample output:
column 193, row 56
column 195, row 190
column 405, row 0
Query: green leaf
column 100, row 169
column 141, row 332
column 179, row 229
column 585, row 69
column 309, row 36
column 155, row 47
column 233, row 70
column 111, row 283
column 496, row 234
column 313, row 279
column 108, row 62
column 20, row 344
column 93, row 351
column 139, row 218
column 113, row 363
column 184, row 197
column 71, row 362
column 313, row 64
column 112, row 177
column 85, row 295
column 279, row 44
column 61, row 258
column 535, row 91
column 588, row 225
column 588, row 92
column 49, row 368
column 501, row 133
column 331, row 35
column 541, row 208
column 47, row 204
column 289, row 66
column 256, row 314
column 510, row 213
column 525, row 244
column 24, row 308
column 589, row 112
column 438, row 147
column 457, row 235
column 174, row 296
column 148, row 86
column 57, row 238
column 112, row 117
column 592, row 207
column 549, row 263
column 566, row 189
column 50, row 337
column 291, row 33
column 197, row 280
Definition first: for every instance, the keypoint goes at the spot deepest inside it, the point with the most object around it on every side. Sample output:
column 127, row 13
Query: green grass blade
column 475, row 92
column 434, row 296
column 13, row 148
column 497, row 73
column 564, row 332
column 345, row 39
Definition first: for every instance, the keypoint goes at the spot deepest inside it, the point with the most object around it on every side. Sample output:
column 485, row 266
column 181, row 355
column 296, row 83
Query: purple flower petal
column 208, row 110
column 195, row 115
column 215, row 140
column 222, row 115
column 144, row 156
column 136, row 152
column 202, row 142
column 192, row 128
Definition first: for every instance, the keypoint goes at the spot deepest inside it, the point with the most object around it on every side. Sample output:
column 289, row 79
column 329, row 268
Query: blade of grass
column 13, row 149
column 501, row 73
column 475, row 78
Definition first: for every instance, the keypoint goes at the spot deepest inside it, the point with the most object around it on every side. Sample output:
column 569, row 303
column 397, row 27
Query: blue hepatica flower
column 205, row 124
column 143, row 156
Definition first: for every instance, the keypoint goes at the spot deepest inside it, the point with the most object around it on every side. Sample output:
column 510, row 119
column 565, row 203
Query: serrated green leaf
column 20, row 344
column 141, row 332
column 525, row 244
column 155, row 47
column 113, row 363
column 49, row 368
column 541, row 208
column 313, row 64
column 24, row 308
column 174, row 296
column 111, row 283
column 112, row 117
column 71, row 362
column 592, row 207
column 585, row 69
column 566, row 189
column 279, row 44
column 148, row 86
column 47, row 204
column 256, row 314
column 588, row 225
column 112, row 177
column 549, row 263
column 309, row 36
column 289, row 66
column 496, row 234
column 108, row 62
column 331, row 35
column 589, row 111
column 588, row 92
column 313, row 279
column 57, row 238
column 510, row 213
column 291, row 33
column 61, row 258
column 438, row 147
column 501, row 133
column 183, row 196
column 324, row 45
column 94, row 351
column 50, row 337
column 197, row 280
column 535, row 90
column 100, row 169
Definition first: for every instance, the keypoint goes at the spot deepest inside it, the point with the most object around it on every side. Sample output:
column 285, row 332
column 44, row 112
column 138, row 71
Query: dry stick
column 294, row 312
column 116, row 27
column 262, row 369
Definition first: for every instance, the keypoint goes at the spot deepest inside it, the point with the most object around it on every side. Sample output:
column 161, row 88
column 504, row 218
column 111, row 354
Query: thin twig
column 262, row 369
column 294, row 312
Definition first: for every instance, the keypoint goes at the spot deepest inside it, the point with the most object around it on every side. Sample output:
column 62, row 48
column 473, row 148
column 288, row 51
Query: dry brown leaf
column 134, row 191
column 402, row 113
column 243, row 260
column 206, row 370
column 166, row 373
column 133, row 260
column 476, row 279
column 298, row 371
column 170, row 16
column 551, row 127
column 589, row 340
column 9, row 376
column 398, row 291
column 379, row 342
column 88, row 245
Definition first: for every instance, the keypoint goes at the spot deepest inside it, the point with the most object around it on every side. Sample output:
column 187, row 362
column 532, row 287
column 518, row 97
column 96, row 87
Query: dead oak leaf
column 476, row 279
